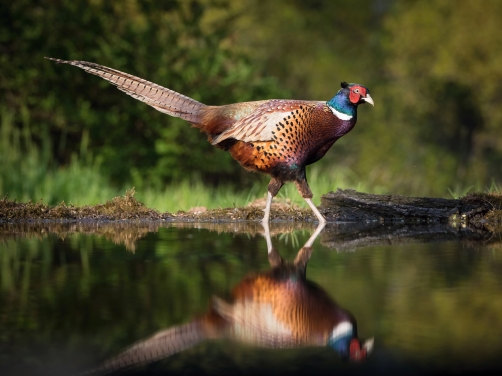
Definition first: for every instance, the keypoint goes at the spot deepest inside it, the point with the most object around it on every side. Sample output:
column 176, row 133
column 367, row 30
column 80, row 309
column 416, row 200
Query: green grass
column 187, row 194
column 460, row 190
column 191, row 193
column 29, row 172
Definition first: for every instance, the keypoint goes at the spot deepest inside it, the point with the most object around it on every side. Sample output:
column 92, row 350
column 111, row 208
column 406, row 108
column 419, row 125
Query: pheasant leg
column 306, row 193
column 273, row 188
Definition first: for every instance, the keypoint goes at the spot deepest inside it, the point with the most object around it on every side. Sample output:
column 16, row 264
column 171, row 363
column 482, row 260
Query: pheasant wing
column 261, row 124
column 254, row 322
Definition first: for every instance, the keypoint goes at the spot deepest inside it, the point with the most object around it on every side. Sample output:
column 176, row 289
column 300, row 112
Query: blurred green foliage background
column 434, row 69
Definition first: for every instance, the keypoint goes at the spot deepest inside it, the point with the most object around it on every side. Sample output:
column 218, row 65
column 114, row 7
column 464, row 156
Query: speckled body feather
column 300, row 133
column 276, row 137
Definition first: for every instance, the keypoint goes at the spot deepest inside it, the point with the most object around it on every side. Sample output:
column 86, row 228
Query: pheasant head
column 345, row 342
column 344, row 103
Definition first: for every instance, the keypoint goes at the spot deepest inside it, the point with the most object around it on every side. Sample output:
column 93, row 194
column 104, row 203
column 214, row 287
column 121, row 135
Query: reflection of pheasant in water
column 276, row 137
column 276, row 309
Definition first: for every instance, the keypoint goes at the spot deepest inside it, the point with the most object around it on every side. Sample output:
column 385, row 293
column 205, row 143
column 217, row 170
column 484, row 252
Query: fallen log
column 351, row 206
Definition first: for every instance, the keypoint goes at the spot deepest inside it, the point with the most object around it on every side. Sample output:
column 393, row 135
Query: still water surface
column 71, row 300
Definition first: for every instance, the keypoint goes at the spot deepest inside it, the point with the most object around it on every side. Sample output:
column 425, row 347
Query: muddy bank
column 128, row 208
column 340, row 206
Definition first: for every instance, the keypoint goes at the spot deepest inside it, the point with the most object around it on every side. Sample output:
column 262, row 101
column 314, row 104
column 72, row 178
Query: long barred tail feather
column 160, row 98
column 158, row 346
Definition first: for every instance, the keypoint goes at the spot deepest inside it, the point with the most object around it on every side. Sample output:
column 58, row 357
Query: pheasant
column 277, row 137
column 278, row 308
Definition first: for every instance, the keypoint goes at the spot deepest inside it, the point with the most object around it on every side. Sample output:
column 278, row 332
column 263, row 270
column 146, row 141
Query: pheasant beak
column 368, row 99
column 368, row 345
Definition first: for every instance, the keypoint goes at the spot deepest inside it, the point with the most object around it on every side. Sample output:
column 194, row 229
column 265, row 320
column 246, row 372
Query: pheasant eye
column 356, row 91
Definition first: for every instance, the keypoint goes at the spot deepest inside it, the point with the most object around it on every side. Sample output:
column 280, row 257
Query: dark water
column 72, row 298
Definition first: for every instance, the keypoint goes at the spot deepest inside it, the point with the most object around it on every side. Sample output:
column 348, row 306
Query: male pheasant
column 277, row 137
column 278, row 308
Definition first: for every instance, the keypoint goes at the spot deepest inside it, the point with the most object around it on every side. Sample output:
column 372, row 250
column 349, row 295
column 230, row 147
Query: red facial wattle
column 355, row 351
column 356, row 93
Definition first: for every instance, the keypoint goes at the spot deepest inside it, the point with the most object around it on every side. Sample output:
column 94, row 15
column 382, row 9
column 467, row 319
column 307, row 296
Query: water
column 72, row 296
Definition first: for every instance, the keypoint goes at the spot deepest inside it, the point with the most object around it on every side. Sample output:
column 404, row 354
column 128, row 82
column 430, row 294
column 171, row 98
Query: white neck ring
column 340, row 115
